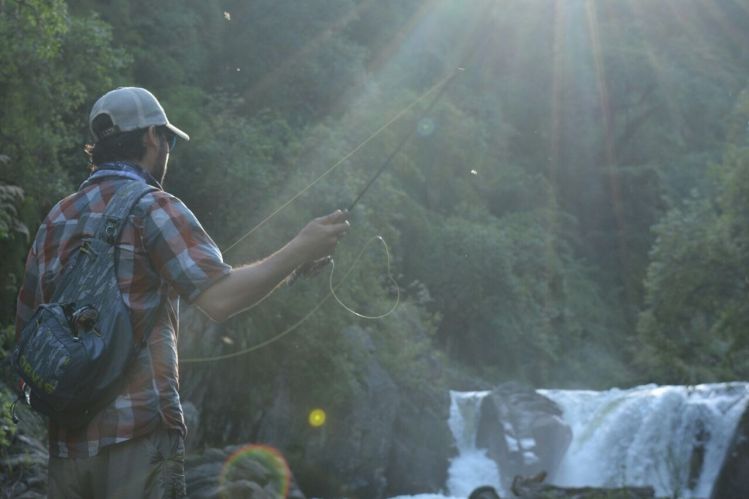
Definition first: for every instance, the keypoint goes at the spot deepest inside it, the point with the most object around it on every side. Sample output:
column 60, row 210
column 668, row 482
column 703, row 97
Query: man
column 134, row 446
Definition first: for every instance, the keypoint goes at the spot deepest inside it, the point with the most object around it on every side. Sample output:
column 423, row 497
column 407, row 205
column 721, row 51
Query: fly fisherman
column 133, row 447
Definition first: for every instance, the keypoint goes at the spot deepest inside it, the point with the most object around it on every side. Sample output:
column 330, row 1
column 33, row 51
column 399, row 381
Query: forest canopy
column 571, row 212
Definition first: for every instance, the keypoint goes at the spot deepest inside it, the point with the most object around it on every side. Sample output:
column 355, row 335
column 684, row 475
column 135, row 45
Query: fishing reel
column 309, row 269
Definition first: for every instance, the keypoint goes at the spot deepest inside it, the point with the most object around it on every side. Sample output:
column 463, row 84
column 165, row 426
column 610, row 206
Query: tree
column 693, row 328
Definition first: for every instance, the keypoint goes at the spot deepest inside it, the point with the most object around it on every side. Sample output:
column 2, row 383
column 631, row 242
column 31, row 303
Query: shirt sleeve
column 179, row 248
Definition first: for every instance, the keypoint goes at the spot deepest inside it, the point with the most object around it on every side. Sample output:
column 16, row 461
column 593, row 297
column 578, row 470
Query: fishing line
column 390, row 277
column 332, row 288
column 346, row 157
column 331, row 293
column 442, row 85
column 405, row 139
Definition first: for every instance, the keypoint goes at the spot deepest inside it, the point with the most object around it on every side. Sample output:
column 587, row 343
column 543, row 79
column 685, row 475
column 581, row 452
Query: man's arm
column 245, row 286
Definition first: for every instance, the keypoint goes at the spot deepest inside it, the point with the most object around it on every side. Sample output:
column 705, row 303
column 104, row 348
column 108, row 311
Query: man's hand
column 248, row 284
column 318, row 239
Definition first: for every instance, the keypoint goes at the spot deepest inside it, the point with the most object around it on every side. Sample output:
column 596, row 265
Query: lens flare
column 237, row 466
column 426, row 127
column 317, row 418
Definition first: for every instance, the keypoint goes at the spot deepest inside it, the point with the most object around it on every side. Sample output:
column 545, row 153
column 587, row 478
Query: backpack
column 74, row 351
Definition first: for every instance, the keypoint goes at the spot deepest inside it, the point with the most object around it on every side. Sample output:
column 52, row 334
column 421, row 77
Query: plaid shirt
column 164, row 253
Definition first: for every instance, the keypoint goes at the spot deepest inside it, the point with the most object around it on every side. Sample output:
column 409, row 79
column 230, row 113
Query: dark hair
column 121, row 147
column 118, row 147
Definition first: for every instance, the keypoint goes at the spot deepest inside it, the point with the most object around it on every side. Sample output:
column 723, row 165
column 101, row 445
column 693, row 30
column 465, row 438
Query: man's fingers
column 339, row 229
column 336, row 217
column 320, row 237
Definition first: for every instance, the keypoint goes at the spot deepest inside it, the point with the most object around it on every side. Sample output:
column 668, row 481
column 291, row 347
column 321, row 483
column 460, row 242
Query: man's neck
column 132, row 167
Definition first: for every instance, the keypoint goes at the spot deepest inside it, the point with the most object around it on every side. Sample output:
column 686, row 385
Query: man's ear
column 151, row 137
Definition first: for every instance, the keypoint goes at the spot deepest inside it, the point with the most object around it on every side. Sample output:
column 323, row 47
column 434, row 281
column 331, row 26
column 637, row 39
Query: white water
column 637, row 437
column 646, row 435
column 471, row 467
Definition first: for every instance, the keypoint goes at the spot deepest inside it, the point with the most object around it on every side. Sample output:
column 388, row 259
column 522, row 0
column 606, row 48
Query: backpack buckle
column 24, row 396
column 84, row 320
column 110, row 229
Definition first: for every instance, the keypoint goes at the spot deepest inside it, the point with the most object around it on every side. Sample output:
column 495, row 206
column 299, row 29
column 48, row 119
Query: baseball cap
column 129, row 108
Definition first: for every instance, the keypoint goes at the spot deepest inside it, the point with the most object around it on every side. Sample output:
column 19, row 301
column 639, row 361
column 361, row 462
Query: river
column 673, row 438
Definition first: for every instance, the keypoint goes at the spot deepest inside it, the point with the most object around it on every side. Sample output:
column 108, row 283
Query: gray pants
column 150, row 467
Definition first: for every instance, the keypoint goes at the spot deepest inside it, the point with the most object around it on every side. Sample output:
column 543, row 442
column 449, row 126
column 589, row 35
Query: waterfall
column 673, row 438
column 471, row 467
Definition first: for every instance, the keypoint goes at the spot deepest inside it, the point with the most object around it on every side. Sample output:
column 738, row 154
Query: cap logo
column 109, row 131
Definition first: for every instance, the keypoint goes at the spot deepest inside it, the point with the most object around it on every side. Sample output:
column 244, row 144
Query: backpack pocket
column 53, row 359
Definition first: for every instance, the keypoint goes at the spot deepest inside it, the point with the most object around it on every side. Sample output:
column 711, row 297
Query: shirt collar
column 121, row 169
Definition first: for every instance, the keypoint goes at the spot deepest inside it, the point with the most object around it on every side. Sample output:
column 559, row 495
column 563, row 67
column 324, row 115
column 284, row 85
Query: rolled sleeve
column 179, row 248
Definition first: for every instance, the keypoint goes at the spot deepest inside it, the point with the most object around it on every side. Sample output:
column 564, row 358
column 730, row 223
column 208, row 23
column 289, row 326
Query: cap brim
column 177, row 131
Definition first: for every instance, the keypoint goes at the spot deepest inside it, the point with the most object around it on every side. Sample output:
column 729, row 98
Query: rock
column 23, row 463
column 23, row 467
column 732, row 479
column 383, row 442
column 256, row 475
column 534, row 488
column 347, row 456
column 23, row 474
column 421, row 447
column 421, row 441
column 523, row 431
column 380, row 440
column 484, row 492
column 244, row 489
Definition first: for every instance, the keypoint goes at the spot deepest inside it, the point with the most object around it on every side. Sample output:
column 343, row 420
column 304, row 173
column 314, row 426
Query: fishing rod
column 442, row 86
column 338, row 163
column 466, row 60
column 312, row 268
column 405, row 138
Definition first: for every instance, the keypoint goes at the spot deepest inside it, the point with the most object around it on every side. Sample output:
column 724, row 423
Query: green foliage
column 519, row 216
column 518, row 305
column 14, row 236
column 233, row 158
column 694, row 327
column 52, row 66
column 7, row 427
column 9, row 221
column 407, row 352
column 575, row 137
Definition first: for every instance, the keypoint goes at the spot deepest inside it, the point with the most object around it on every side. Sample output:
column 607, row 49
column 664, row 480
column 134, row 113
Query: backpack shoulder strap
column 119, row 209
column 109, row 227
column 114, row 219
